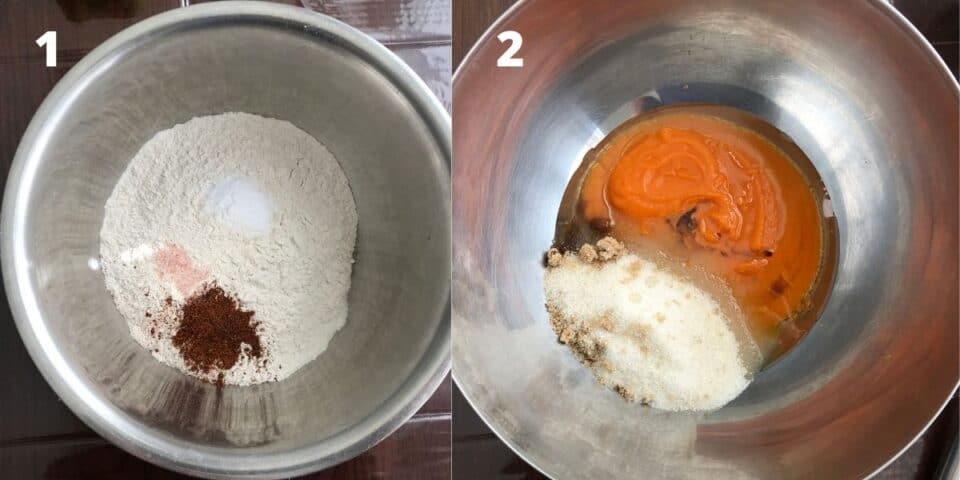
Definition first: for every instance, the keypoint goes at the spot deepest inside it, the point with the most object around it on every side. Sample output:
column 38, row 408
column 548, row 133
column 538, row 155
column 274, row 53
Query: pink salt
column 173, row 264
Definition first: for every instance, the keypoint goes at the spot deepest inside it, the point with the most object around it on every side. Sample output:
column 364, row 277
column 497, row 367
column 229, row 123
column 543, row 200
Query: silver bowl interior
column 392, row 140
column 875, row 110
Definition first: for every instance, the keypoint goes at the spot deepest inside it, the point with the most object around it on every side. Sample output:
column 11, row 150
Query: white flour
column 259, row 207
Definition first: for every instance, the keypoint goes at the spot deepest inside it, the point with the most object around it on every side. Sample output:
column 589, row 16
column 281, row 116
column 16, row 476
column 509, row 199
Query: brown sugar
column 639, row 327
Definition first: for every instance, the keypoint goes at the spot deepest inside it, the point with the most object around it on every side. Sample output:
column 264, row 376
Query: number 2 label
column 507, row 59
column 49, row 40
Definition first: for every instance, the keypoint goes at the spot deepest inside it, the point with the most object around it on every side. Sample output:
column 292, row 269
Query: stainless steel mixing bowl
column 867, row 99
column 392, row 139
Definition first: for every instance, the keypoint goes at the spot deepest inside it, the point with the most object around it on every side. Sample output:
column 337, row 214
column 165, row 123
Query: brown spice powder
column 213, row 328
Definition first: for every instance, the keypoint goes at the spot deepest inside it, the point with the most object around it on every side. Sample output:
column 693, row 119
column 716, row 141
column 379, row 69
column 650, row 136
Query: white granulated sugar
column 646, row 332
column 253, row 204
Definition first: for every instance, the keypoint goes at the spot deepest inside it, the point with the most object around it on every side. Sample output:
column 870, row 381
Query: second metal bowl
column 871, row 105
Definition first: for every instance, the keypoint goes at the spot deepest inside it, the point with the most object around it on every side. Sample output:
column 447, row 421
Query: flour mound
column 649, row 334
column 251, row 204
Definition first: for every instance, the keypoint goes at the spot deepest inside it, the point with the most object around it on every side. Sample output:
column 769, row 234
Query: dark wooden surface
column 479, row 454
column 39, row 436
column 470, row 19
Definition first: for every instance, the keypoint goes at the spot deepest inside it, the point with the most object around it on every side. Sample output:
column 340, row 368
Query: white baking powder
column 253, row 204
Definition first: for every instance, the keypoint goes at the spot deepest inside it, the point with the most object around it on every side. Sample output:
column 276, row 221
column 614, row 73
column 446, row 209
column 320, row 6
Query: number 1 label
column 49, row 40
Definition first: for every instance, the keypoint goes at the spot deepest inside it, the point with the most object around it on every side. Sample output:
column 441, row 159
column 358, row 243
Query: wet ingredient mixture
column 713, row 194
column 227, row 245
column 722, row 244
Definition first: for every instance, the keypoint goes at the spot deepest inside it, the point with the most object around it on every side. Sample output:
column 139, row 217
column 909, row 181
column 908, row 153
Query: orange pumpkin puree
column 719, row 196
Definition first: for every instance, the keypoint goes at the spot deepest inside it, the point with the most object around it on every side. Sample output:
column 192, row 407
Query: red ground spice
column 213, row 327
column 173, row 263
